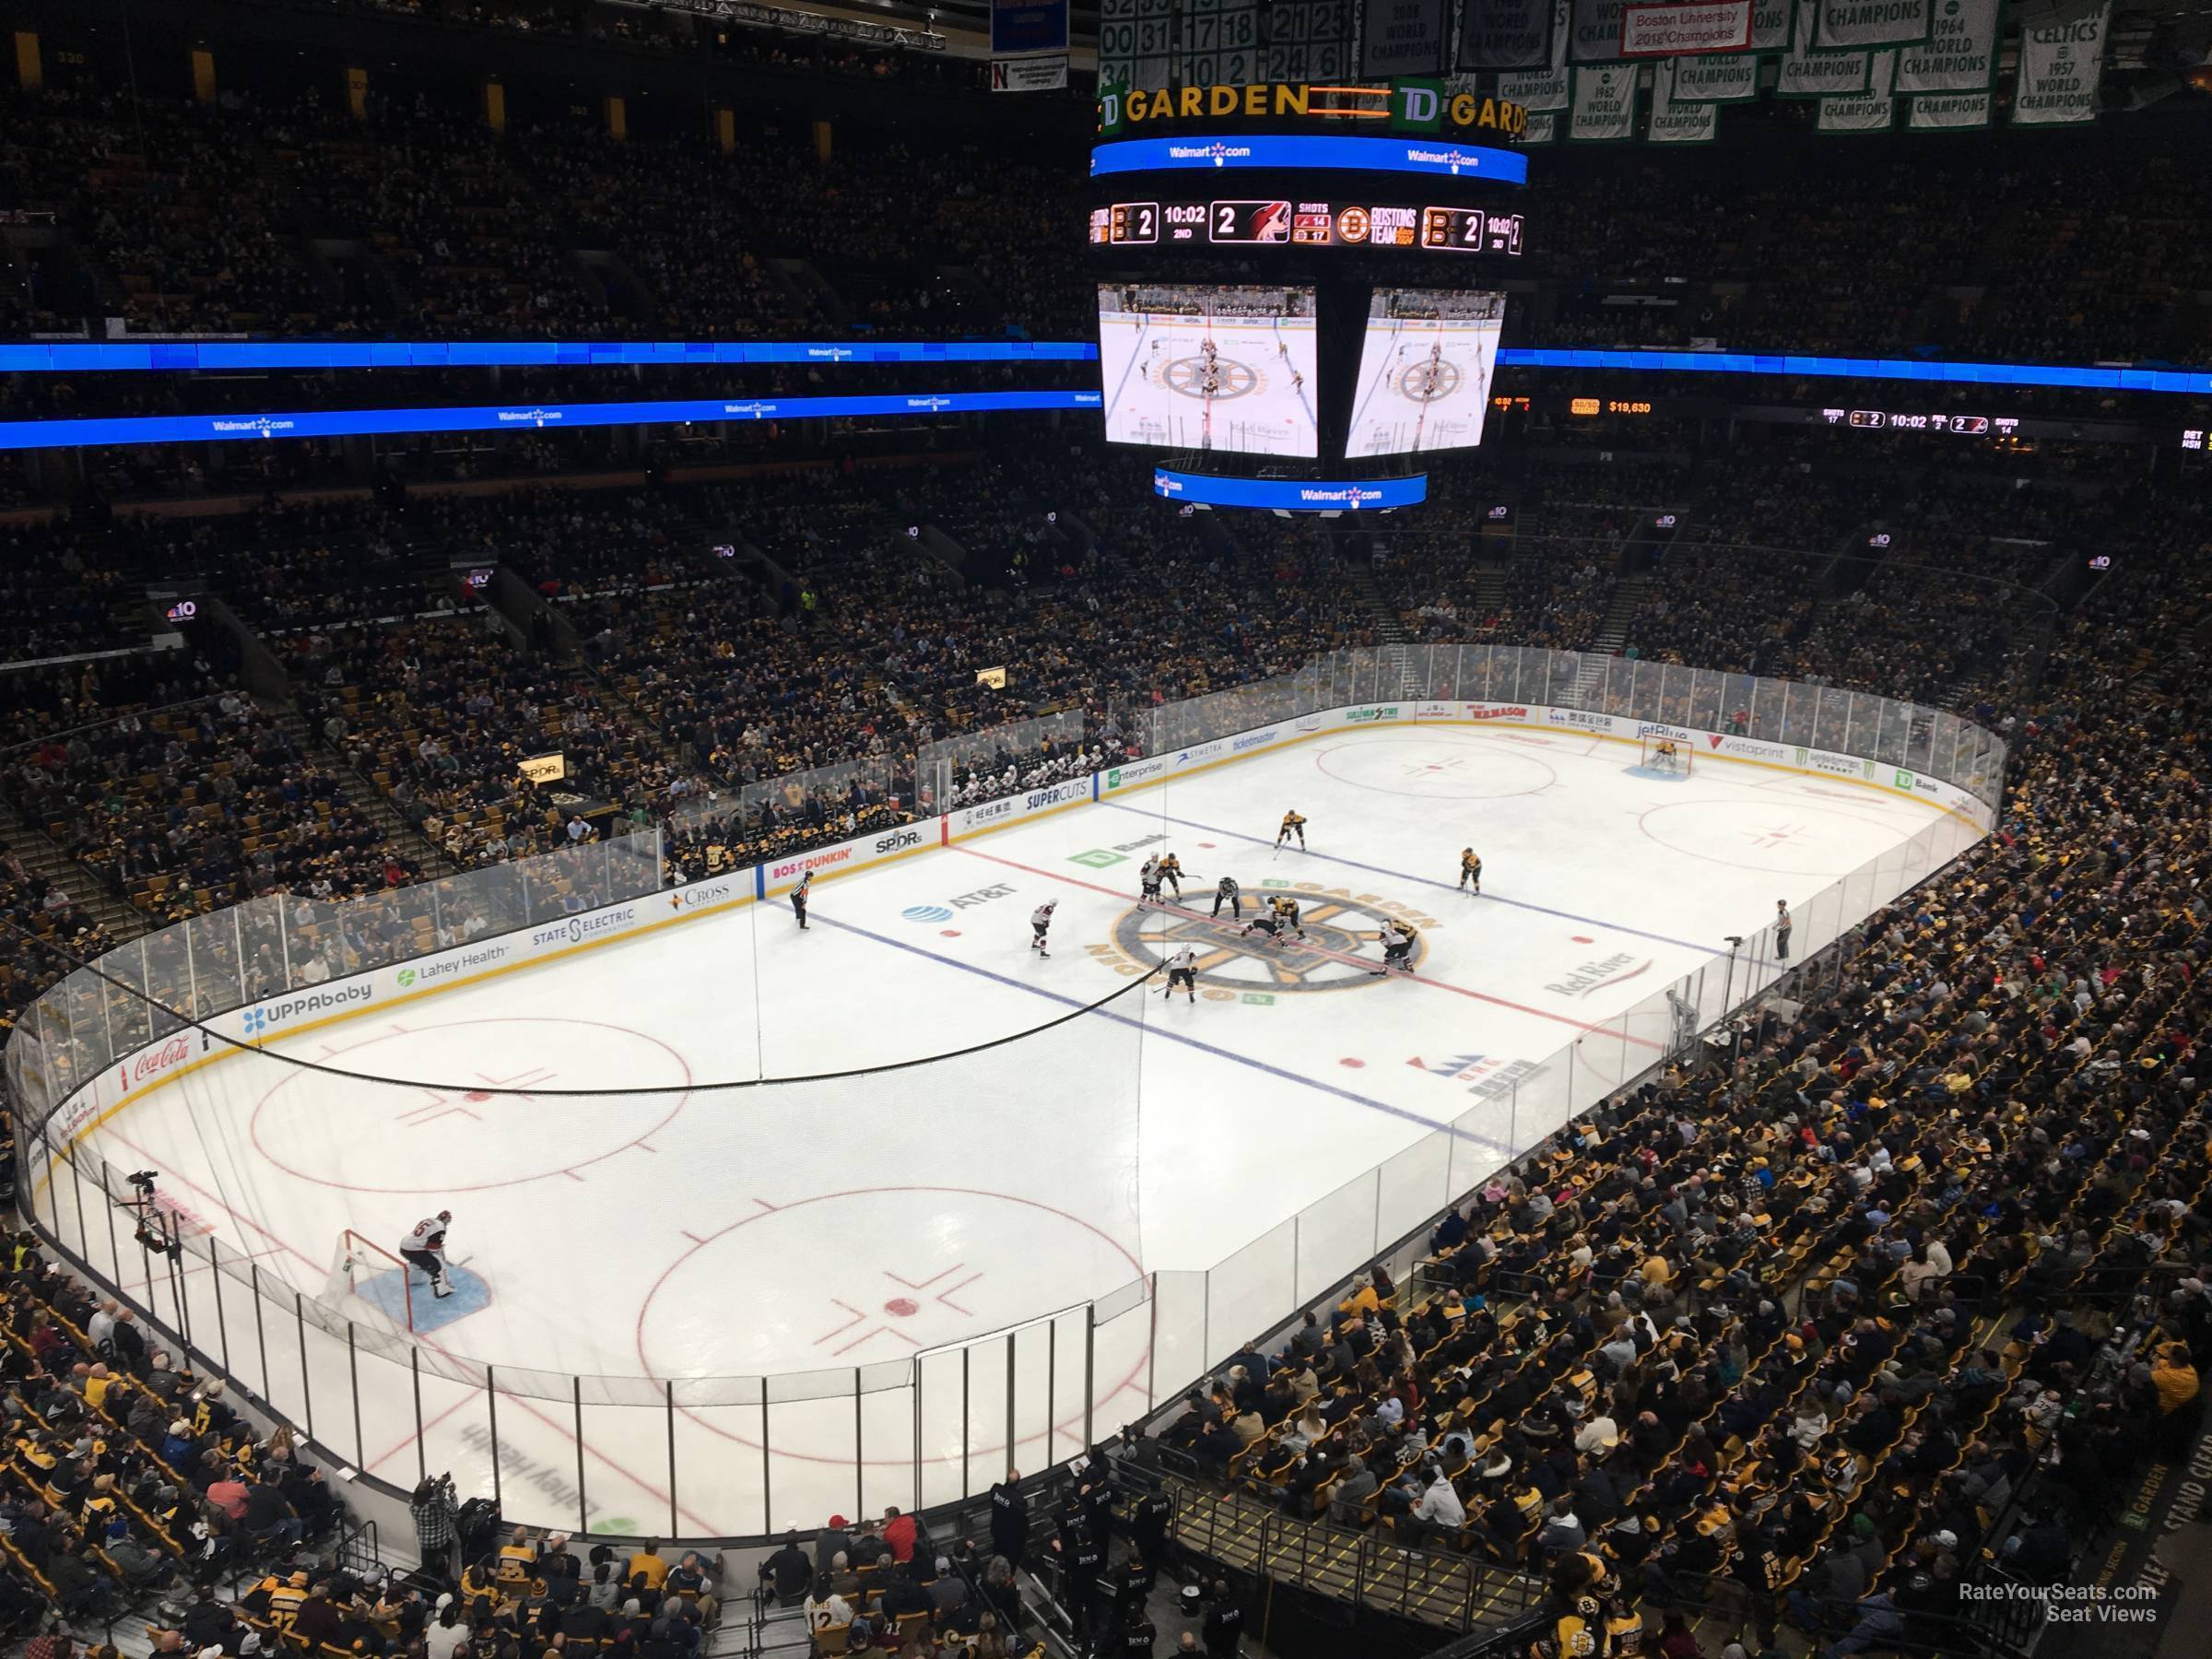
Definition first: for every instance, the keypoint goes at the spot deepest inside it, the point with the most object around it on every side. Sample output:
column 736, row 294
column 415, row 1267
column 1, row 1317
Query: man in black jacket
column 1223, row 1627
column 788, row 1571
column 1009, row 1519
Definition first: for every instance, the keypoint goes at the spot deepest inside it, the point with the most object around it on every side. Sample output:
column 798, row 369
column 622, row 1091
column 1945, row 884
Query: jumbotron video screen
column 1190, row 367
column 1425, row 371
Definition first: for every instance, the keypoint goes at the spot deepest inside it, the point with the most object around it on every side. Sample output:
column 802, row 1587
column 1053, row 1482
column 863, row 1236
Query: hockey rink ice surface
column 690, row 1234
column 1422, row 386
column 1153, row 365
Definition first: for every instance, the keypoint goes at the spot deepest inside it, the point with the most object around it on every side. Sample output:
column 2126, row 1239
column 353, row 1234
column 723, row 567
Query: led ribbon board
column 1302, row 152
column 509, row 417
column 183, row 356
column 1291, row 495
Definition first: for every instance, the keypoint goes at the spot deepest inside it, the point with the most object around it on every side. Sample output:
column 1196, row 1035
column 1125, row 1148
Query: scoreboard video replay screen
column 1316, row 224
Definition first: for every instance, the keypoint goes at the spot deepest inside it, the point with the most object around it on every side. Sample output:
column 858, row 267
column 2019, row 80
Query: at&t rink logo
column 1339, row 925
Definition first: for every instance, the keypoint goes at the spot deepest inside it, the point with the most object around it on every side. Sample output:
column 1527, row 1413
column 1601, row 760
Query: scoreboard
column 1250, row 221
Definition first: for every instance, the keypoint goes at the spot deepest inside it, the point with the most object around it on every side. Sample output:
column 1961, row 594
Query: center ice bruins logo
column 1342, row 949
column 1220, row 379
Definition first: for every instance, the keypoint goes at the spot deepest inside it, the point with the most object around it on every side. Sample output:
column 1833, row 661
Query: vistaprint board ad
column 1190, row 367
column 1426, row 366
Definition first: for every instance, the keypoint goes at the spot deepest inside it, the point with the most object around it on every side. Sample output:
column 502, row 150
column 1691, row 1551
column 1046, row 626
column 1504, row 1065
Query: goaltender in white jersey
column 424, row 1249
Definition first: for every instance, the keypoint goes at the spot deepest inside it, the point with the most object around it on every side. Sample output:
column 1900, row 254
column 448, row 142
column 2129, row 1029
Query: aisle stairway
column 375, row 806
column 44, row 858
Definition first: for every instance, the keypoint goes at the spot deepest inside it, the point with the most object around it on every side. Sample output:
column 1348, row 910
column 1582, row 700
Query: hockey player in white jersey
column 1182, row 969
column 1147, row 881
column 1041, row 921
column 424, row 1250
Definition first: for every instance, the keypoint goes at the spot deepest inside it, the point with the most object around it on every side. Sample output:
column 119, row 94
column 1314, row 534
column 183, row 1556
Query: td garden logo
column 1341, row 952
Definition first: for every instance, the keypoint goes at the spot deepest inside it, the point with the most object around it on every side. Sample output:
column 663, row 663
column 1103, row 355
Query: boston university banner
column 2062, row 66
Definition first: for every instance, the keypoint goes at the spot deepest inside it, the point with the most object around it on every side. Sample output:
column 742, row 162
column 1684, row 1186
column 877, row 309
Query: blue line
column 1115, row 401
column 1203, row 1048
column 1354, row 864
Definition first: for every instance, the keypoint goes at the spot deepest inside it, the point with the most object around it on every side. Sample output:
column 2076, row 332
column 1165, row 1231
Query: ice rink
column 1424, row 384
column 1255, row 394
column 666, row 1231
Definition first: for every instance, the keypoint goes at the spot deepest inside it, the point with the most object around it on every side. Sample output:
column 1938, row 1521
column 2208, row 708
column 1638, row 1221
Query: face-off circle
column 1430, row 380
column 1229, row 960
column 480, row 1128
column 1436, row 770
column 1221, row 380
column 925, row 1267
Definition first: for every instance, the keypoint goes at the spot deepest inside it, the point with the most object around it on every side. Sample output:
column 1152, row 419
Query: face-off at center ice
column 666, row 1229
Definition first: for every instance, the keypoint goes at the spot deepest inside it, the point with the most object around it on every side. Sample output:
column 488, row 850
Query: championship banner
column 1403, row 37
column 1543, row 128
column 1596, row 32
column 1948, row 111
column 1028, row 25
column 1543, row 91
column 1727, row 78
column 1873, row 110
column 1773, row 25
column 1960, row 56
column 2062, row 66
column 1674, row 121
column 1605, row 104
column 1506, row 34
column 1808, row 73
column 544, row 769
column 1674, row 29
column 1847, row 25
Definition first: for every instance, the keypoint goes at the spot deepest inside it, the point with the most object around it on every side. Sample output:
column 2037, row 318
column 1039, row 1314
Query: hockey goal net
column 1666, row 753
column 369, row 1281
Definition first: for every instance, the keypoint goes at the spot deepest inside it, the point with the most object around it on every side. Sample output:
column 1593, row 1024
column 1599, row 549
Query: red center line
column 644, row 1486
column 1417, row 979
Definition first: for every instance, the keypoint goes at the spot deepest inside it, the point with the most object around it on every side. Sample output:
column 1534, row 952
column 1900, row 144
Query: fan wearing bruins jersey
column 1470, row 871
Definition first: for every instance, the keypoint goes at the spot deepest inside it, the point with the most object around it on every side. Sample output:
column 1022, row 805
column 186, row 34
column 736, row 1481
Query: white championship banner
column 1716, row 78
column 1961, row 55
column 2062, row 66
column 1847, row 25
column 1806, row 73
column 1605, row 104
column 1674, row 121
column 1543, row 91
column 1948, row 111
column 1508, row 34
column 1873, row 110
